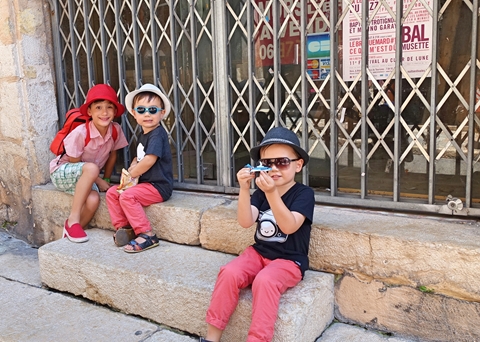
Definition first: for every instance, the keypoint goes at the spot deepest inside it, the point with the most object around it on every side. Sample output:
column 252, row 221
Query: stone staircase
column 407, row 276
column 172, row 284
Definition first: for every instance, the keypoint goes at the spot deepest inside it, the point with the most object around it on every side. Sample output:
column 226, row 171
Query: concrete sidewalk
column 29, row 312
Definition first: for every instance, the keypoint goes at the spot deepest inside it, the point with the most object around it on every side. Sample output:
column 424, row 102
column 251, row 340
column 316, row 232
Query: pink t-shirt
column 96, row 151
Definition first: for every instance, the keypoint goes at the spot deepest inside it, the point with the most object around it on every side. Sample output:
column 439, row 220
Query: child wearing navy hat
column 283, row 211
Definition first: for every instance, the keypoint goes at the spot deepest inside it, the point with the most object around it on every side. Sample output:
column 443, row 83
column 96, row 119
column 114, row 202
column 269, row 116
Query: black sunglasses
column 281, row 163
column 151, row 110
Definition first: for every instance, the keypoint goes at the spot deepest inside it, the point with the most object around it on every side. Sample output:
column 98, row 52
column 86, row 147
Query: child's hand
column 131, row 167
column 265, row 182
column 245, row 177
column 102, row 184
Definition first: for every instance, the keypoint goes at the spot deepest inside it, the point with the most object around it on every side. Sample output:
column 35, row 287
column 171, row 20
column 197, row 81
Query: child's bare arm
column 246, row 213
column 288, row 221
column 74, row 160
column 110, row 164
column 142, row 166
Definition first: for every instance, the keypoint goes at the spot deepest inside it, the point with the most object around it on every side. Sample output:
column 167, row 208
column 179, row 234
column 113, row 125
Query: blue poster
column 318, row 55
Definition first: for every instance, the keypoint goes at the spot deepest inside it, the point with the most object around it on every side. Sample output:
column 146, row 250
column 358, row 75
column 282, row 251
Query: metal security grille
column 389, row 119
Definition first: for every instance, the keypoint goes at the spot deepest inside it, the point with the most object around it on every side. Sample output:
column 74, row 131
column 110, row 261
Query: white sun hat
column 147, row 87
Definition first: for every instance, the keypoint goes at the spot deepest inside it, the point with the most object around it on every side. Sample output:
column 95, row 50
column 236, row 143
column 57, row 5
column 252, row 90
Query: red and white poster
column 289, row 43
column 416, row 39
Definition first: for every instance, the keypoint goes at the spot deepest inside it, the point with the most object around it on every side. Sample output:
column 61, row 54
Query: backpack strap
column 114, row 133
column 87, row 138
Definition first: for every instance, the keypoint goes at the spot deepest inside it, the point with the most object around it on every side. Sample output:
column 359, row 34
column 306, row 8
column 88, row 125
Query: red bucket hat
column 102, row 92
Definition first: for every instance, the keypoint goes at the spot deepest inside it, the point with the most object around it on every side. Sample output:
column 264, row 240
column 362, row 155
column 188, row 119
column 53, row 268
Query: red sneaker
column 75, row 233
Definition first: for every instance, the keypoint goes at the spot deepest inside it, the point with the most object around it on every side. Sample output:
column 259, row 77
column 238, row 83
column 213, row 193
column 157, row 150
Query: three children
column 283, row 210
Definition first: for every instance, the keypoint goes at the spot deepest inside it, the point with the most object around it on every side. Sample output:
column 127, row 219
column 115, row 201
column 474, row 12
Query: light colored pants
column 126, row 209
column 269, row 279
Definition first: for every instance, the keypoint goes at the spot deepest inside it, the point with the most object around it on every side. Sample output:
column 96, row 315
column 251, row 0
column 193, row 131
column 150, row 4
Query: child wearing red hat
column 77, row 171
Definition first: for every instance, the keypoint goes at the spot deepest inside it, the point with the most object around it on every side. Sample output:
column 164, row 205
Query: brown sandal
column 123, row 236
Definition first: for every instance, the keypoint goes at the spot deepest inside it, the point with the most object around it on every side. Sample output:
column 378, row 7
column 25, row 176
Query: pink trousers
column 127, row 208
column 269, row 279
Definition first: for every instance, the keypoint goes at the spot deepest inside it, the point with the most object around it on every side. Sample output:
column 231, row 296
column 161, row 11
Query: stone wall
column 28, row 111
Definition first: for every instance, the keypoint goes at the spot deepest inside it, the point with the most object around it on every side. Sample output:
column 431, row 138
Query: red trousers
column 126, row 209
column 269, row 279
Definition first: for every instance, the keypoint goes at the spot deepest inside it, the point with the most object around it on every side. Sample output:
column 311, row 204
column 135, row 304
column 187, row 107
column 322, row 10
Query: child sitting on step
column 283, row 210
column 77, row 171
column 153, row 168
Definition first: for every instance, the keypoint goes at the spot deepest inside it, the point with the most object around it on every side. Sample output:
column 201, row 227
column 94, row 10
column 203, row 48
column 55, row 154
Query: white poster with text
column 416, row 39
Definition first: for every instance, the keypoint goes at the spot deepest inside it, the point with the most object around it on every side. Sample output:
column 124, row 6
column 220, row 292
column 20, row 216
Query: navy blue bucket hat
column 280, row 135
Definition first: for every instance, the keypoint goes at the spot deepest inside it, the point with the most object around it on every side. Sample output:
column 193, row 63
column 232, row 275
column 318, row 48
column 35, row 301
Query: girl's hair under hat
column 280, row 135
column 102, row 92
column 147, row 87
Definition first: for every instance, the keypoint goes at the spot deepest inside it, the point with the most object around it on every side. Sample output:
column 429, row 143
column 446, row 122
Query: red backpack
column 73, row 119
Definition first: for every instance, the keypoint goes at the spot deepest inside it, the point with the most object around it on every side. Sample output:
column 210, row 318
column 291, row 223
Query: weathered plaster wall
column 28, row 111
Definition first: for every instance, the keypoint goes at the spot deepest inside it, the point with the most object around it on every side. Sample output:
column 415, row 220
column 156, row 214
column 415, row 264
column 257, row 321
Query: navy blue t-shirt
column 270, row 241
column 160, row 175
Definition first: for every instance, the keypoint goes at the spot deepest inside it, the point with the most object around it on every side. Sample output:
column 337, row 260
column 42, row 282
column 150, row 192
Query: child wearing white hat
column 152, row 167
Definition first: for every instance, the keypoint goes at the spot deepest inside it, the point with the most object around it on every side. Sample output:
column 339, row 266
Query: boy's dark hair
column 148, row 95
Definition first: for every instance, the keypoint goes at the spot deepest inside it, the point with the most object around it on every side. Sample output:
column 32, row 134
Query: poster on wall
column 416, row 39
column 318, row 55
column 289, row 47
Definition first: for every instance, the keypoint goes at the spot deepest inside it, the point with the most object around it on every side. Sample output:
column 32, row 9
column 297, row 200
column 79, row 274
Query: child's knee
column 265, row 280
column 227, row 272
column 91, row 169
column 93, row 198
column 111, row 192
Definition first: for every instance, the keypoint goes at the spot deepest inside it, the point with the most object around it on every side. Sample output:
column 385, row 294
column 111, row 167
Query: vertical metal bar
column 398, row 99
column 88, row 43
column 103, row 41
column 333, row 98
column 433, row 108
column 196, row 113
column 57, row 51
column 136, row 46
column 473, row 100
column 176, row 101
column 222, row 108
column 73, row 42
column 276, row 63
column 303, row 73
column 364, row 97
column 154, row 38
column 251, row 71
column 121, row 76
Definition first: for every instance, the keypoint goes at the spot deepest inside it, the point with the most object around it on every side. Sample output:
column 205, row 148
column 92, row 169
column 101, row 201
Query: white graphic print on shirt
column 140, row 152
column 267, row 228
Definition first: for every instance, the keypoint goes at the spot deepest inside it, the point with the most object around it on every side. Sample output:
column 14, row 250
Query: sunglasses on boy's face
column 281, row 163
column 151, row 110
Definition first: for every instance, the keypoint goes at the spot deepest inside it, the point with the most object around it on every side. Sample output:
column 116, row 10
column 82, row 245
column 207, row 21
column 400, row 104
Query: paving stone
column 339, row 332
column 29, row 313
column 18, row 260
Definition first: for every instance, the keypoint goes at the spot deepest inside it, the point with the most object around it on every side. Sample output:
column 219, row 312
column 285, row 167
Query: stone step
column 172, row 285
column 423, row 267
